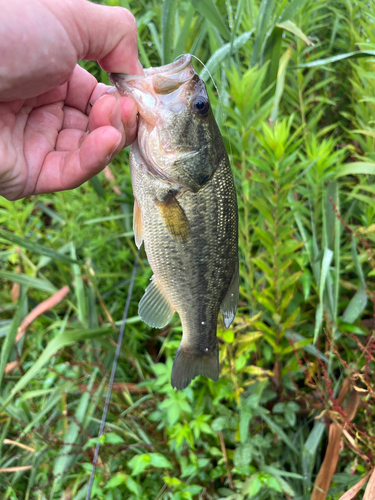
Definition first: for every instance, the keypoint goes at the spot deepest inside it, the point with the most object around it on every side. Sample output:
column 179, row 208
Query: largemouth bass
column 185, row 211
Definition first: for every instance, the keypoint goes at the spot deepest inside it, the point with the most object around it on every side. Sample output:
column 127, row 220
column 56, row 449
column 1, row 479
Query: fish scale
column 186, row 214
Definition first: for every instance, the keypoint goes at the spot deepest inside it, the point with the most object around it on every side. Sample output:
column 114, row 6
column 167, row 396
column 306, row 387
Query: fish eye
column 200, row 105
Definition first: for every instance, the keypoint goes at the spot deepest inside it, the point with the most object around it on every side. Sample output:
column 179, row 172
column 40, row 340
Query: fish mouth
column 119, row 79
column 160, row 88
column 171, row 68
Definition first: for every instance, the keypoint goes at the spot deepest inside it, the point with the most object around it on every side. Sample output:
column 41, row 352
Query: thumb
column 110, row 37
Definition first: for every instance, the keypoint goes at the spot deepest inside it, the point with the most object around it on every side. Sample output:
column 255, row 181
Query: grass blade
column 276, row 429
column 8, row 343
column 35, row 247
column 209, row 11
column 293, row 28
column 326, row 263
column 292, row 10
column 223, row 52
column 356, row 168
column 66, row 338
column 339, row 57
column 186, row 28
column 263, row 20
column 29, row 281
column 168, row 13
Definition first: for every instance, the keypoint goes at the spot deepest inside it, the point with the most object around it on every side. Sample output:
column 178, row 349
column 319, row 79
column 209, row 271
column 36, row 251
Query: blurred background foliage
column 293, row 90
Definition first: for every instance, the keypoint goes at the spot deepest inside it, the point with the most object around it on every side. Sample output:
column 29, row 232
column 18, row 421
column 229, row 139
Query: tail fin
column 188, row 365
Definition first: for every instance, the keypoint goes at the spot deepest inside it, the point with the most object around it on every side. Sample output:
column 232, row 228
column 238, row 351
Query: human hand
column 45, row 97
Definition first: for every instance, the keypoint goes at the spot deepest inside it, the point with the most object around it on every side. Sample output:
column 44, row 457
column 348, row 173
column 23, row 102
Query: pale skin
column 58, row 125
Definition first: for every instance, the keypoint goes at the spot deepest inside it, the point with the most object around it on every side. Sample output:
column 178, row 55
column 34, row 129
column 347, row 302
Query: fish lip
column 168, row 69
column 172, row 68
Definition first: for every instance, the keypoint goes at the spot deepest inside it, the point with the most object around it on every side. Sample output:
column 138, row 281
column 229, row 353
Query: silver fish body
column 185, row 212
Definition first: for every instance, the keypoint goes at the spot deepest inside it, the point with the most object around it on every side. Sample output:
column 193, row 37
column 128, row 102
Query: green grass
column 299, row 125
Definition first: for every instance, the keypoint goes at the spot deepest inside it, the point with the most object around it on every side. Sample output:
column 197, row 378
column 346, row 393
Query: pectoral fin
column 137, row 224
column 174, row 217
column 154, row 308
column 228, row 306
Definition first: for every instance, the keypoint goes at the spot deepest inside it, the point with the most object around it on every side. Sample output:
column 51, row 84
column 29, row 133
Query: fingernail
column 115, row 116
column 140, row 69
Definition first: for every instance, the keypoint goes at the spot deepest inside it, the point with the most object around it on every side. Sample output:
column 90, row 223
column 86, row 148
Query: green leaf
column 222, row 54
column 113, row 438
column 356, row 168
column 276, row 429
column 210, row 12
column 339, row 57
column 8, row 343
column 184, row 33
column 293, row 28
column 219, row 424
column 310, row 449
column 66, row 338
column 311, row 349
column 68, row 454
column 262, row 23
column 139, row 463
column 134, row 487
column 292, row 10
column 28, row 281
column 158, row 460
column 35, row 247
column 245, row 417
column 115, row 481
column 255, row 485
column 280, row 82
column 357, row 303
column 95, row 181
column 168, row 14
column 355, row 307
column 242, row 454
column 324, row 270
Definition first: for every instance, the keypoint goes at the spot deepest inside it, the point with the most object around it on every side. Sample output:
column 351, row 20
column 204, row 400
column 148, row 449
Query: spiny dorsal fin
column 228, row 307
column 137, row 224
column 154, row 309
column 174, row 217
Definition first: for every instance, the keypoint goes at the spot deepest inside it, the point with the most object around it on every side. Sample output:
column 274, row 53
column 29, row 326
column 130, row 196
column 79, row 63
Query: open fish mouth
column 162, row 87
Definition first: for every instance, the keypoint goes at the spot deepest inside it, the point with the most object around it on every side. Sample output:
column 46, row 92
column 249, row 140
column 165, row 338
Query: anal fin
column 154, row 308
column 228, row 307
column 137, row 224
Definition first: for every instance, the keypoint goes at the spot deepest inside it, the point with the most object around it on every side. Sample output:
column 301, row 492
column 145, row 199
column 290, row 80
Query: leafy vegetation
column 294, row 95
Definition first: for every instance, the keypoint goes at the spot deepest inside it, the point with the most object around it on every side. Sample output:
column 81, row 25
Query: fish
column 185, row 212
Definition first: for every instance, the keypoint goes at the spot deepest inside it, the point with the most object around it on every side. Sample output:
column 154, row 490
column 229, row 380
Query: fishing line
column 112, row 378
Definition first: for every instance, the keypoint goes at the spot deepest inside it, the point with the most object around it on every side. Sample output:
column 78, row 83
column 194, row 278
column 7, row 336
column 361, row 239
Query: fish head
column 177, row 133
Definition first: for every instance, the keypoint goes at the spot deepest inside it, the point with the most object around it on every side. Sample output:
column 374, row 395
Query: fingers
column 80, row 88
column 80, row 155
column 120, row 113
column 63, row 170
column 115, row 48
